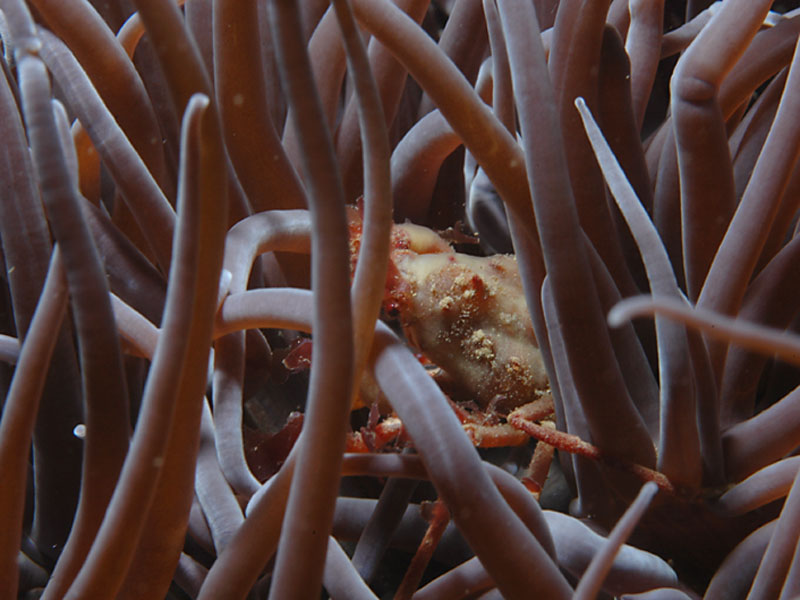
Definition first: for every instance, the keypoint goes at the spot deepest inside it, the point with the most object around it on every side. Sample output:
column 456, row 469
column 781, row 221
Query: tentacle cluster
column 174, row 188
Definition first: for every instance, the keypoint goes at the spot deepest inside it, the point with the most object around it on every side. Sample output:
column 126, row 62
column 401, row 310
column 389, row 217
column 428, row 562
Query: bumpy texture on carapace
column 466, row 314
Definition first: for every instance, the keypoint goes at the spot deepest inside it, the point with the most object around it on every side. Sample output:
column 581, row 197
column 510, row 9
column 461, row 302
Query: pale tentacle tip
column 618, row 315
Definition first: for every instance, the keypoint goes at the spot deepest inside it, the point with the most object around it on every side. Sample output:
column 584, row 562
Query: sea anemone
column 179, row 181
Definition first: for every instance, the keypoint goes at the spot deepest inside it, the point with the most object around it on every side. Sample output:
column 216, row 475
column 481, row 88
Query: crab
column 466, row 314
column 465, row 317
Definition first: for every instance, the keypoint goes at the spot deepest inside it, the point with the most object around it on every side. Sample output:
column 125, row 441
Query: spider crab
column 464, row 313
